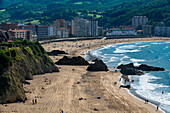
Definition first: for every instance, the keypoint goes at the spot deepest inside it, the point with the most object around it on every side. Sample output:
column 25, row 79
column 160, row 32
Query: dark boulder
column 130, row 65
column 56, row 52
column 127, row 86
column 130, row 71
column 145, row 67
column 97, row 66
column 72, row 61
column 79, row 61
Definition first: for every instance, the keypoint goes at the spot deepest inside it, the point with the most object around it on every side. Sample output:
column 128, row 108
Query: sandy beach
column 76, row 91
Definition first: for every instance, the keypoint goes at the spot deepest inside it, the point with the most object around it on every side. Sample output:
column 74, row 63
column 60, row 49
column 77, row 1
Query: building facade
column 162, row 31
column 121, row 32
column 139, row 20
column 84, row 27
column 93, row 28
column 9, row 26
column 21, row 34
column 40, row 31
column 147, row 30
column 61, row 28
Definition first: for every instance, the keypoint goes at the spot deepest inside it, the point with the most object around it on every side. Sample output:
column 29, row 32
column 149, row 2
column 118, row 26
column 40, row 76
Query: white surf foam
column 137, row 60
column 118, row 50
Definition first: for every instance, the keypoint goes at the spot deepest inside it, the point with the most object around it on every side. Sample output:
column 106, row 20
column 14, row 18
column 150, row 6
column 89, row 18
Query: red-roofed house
column 21, row 34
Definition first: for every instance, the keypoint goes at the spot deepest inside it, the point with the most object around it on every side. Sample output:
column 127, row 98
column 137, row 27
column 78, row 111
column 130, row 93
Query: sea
column 154, row 85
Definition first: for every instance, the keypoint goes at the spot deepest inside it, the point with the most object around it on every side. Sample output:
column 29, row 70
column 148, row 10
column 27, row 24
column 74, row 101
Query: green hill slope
column 19, row 64
column 108, row 12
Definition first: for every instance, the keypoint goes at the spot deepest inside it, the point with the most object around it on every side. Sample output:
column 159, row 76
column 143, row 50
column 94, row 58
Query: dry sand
column 76, row 91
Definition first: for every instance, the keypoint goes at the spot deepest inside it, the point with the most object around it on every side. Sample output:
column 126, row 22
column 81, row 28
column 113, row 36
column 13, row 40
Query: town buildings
column 84, row 27
column 40, row 31
column 9, row 26
column 121, row 32
column 61, row 28
column 162, row 31
column 147, row 30
column 21, row 34
column 139, row 20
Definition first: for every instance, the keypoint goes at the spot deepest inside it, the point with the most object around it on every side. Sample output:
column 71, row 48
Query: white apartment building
column 121, row 32
column 139, row 20
column 93, row 28
column 84, row 27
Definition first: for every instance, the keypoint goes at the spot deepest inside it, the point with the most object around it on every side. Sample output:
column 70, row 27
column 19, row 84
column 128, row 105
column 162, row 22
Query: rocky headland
column 18, row 64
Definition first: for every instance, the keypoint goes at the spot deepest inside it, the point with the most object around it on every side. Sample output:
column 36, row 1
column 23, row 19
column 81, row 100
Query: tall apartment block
column 93, row 28
column 139, row 20
column 84, row 27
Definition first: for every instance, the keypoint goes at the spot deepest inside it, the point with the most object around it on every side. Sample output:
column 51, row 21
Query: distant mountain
column 108, row 12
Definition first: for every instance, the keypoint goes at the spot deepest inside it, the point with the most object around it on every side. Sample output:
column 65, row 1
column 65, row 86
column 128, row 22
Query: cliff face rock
column 72, row 61
column 20, row 64
column 99, row 65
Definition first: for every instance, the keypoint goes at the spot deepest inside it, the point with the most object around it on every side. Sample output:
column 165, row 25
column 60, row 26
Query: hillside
column 20, row 64
column 108, row 12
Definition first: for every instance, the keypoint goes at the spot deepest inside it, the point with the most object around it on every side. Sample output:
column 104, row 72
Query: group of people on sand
column 34, row 101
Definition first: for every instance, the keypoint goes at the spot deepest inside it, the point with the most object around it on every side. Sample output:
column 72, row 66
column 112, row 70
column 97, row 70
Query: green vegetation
column 78, row 3
column 109, row 13
column 8, row 56
column 2, row 10
column 5, row 60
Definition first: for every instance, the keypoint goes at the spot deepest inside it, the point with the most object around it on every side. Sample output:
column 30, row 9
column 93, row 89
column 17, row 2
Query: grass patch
column 28, row 49
column 78, row 3
column 2, row 10
column 35, row 22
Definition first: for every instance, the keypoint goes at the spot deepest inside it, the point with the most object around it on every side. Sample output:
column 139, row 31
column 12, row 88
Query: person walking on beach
column 157, row 108
column 35, row 101
column 32, row 101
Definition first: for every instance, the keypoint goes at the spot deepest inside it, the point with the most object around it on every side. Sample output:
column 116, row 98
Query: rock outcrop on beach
column 56, row 52
column 130, row 69
column 99, row 65
column 72, row 61
column 20, row 64
column 145, row 67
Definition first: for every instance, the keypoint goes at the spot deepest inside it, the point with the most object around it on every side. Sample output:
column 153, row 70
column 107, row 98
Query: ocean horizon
column 153, row 86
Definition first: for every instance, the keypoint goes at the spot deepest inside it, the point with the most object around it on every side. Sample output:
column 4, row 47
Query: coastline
column 64, row 91
column 132, row 92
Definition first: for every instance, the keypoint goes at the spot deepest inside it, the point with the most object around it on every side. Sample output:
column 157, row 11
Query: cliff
column 19, row 64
